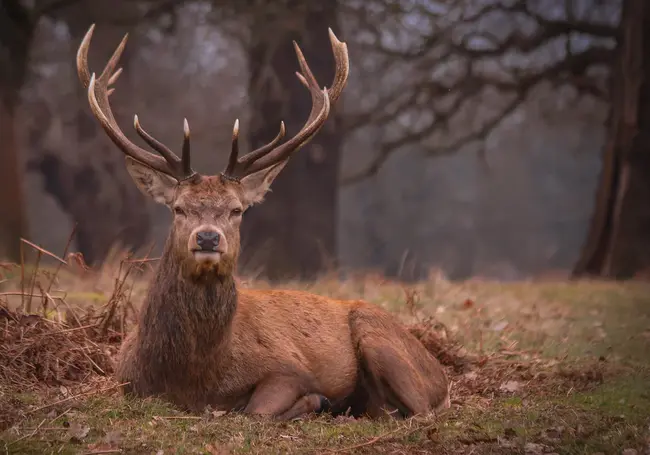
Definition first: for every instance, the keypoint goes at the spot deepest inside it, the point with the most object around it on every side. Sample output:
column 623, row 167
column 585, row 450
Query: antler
column 271, row 154
column 98, row 92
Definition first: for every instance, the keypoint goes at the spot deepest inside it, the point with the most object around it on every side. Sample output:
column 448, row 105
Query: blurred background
column 483, row 138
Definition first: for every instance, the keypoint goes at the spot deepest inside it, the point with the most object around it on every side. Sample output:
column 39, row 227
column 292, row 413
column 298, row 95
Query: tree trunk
column 618, row 244
column 16, row 31
column 292, row 234
column 13, row 224
column 86, row 175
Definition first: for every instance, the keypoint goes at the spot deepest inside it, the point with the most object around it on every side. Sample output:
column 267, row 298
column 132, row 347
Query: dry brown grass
column 505, row 347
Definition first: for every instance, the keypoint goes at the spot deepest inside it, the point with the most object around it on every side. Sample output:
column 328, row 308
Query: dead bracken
column 38, row 351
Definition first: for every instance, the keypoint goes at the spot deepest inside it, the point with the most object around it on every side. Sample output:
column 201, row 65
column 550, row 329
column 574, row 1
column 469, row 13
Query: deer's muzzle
column 207, row 244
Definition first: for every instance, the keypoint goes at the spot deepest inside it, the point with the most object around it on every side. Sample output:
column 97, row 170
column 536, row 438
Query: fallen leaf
column 343, row 419
column 499, row 326
column 101, row 447
column 554, row 433
column 289, row 437
column 113, row 438
column 212, row 450
column 77, row 432
column 532, row 448
column 510, row 386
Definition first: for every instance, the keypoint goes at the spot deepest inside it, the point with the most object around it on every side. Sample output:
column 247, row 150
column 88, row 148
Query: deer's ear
column 257, row 184
column 160, row 187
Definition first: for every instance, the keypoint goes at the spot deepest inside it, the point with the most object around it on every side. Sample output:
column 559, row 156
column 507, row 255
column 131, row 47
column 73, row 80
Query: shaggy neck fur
column 184, row 321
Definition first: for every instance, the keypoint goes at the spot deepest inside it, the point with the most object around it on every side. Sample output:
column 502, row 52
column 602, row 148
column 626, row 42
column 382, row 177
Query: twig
column 73, row 329
column 140, row 261
column 49, row 297
column 24, row 294
column 178, row 417
column 33, row 284
column 383, row 436
column 118, row 291
column 49, row 429
column 22, row 275
column 65, row 254
column 94, row 452
column 59, row 416
column 93, row 362
column 74, row 315
column 30, row 434
column 44, row 251
column 65, row 400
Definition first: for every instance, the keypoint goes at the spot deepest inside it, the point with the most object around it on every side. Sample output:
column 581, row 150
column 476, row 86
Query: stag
column 202, row 341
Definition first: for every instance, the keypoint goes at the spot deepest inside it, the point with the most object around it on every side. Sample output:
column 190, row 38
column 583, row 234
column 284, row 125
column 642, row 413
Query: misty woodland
column 353, row 226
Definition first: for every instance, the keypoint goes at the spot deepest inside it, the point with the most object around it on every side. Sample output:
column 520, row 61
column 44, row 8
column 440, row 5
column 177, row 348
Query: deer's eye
column 236, row 212
column 179, row 211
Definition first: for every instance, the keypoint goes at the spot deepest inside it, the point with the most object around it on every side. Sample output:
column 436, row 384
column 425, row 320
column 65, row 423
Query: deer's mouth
column 207, row 256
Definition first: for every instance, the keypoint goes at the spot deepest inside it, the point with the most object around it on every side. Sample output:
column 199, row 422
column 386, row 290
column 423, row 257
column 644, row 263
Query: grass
column 560, row 368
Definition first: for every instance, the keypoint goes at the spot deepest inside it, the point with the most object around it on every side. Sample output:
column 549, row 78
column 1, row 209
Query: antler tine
column 306, row 77
column 82, row 58
column 322, row 99
column 285, row 150
column 155, row 144
column 114, row 77
column 251, row 157
column 342, row 63
column 116, row 135
column 98, row 93
column 234, row 151
column 185, row 157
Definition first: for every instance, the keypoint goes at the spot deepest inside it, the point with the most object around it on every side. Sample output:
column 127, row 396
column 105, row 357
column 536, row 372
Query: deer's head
column 207, row 209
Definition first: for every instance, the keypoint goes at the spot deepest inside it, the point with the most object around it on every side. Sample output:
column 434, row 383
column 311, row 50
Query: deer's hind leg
column 285, row 397
column 397, row 370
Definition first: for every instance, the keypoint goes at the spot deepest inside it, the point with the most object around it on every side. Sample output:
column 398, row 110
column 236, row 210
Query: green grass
column 592, row 406
column 607, row 419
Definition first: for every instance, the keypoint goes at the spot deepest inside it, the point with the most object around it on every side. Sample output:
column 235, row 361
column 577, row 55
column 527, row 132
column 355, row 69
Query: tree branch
column 50, row 7
column 432, row 55
column 576, row 64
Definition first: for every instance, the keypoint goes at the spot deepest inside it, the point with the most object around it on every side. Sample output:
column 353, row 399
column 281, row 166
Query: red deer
column 202, row 341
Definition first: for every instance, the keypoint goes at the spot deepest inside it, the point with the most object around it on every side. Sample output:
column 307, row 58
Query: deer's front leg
column 284, row 398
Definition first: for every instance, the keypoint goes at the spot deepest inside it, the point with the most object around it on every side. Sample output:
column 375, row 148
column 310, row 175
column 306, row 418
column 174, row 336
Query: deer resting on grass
column 202, row 341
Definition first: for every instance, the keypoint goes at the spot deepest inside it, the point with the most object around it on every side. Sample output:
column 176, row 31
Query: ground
column 537, row 367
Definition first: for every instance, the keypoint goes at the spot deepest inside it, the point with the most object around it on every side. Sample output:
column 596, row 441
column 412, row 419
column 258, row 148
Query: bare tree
column 618, row 244
column 17, row 24
column 470, row 64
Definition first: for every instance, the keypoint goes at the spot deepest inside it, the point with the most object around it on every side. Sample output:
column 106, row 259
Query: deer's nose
column 207, row 240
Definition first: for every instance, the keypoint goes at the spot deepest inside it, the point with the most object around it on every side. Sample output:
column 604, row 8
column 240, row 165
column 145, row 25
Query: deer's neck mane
column 185, row 322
